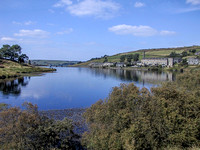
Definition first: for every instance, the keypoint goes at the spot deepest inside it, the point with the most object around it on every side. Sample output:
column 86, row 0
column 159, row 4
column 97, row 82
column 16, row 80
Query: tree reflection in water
column 13, row 87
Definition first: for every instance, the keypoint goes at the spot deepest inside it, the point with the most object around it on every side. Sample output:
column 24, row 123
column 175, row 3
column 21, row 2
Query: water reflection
column 141, row 76
column 13, row 87
column 74, row 87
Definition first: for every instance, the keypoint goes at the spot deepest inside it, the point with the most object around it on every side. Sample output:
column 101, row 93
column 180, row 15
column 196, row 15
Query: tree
column 22, row 58
column 173, row 54
column 105, row 59
column 129, row 58
column 136, row 57
column 4, row 51
column 11, row 52
column 122, row 58
column 184, row 54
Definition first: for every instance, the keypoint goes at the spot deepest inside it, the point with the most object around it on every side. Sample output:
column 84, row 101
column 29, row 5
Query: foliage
column 130, row 118
column 129, row 58
column 26, row 129
column 22, row 58
column 10, row 52
column 136, row 57
column 122, row 58
column 184, row 54
column 174, row 54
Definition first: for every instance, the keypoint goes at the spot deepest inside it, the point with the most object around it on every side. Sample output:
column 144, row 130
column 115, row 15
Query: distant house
column 121, row 64
column 157, row 61
column 108, row 64
column 193, row 61
column 101, row 65
column 177, row 60
column 95, row 65
column 197, row 53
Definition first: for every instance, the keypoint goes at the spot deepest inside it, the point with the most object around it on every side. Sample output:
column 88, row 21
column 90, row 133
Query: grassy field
column 149, row 53
column 10, row 69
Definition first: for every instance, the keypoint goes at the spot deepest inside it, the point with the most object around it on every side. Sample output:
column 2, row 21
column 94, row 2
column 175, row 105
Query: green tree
column 136, row 57
column 122, row 58
column 22, row 58
column 174, row 54
column 105, row 59
column 129, row 58
column 184, row 54
column 11, row 52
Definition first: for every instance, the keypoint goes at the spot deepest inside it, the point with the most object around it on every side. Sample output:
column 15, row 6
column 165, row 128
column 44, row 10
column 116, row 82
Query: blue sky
column 82, row 29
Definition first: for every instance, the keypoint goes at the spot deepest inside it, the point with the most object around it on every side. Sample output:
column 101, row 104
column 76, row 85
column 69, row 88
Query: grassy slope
column 162, row 52
column 10, row 69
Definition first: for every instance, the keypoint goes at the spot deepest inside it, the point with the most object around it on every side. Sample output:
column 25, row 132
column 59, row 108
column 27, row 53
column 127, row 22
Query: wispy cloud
column 143, row 31
column 32, row 33
column 166, row 32
column 24, row 23
column 193, row 2
column 139, row 4
column 8, row 39
column 70, row 30
column 96, row 8
column 62, row 3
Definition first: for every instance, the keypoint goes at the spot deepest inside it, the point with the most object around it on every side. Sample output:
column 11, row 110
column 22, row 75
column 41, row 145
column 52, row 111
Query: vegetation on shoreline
column 14, row 64
column 27, row 129
column 12, row 69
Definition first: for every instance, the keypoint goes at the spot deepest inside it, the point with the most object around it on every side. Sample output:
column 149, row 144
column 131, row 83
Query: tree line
column 13, row 53
column 129, row 58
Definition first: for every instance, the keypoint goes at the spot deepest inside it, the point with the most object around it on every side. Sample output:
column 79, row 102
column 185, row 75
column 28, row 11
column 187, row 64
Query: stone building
column 157, row 61
column 193, row 61
column 121, row 64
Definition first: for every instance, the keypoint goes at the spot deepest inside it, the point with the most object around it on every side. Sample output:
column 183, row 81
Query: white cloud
column 165, row 32
column 23, row 23
column 143, row 31
column 193, row 2
column 65, row 31
column 63, row 3
column 96, row 8
column 8, row 39
column 133, row 30
column 139, row 4
column 32, row 33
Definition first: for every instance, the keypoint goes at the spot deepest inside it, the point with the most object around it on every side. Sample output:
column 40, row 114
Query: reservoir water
column 74, row 87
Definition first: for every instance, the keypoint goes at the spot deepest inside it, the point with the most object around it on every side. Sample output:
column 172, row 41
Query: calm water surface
column 74, row 87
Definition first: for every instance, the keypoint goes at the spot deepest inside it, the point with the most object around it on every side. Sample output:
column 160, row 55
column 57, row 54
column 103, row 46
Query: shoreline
column 12, row 70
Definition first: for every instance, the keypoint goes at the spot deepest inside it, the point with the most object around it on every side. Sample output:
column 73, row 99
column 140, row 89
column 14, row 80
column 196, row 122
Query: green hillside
column 161, row 52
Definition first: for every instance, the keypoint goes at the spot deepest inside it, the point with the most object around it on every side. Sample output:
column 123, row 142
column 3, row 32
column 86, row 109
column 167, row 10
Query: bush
column 26, row 129
column 130, row 118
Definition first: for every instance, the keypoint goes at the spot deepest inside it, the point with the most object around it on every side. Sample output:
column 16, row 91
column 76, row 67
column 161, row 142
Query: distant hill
column 58, row 63
column 160, row 52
